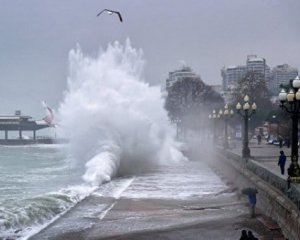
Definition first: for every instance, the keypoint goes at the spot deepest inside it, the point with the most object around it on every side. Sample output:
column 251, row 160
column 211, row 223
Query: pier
column 20, row 123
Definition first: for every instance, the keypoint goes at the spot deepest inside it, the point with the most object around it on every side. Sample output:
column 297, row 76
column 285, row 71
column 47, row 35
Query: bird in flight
column 110, row 12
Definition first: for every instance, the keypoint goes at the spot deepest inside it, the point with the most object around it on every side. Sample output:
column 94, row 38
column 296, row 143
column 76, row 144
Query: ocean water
column 37, row 183
column 40, row 183
column 117, row 128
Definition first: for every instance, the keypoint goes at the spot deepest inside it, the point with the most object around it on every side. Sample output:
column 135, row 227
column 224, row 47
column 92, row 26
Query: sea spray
column 115, row 121
column 25, row 217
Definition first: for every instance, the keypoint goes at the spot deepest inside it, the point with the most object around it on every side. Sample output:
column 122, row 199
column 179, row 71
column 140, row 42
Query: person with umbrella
column 251, row 193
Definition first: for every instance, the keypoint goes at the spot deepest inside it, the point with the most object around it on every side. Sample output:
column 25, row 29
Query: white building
column 259, row 65
column 281, row 74
column 183, row 73
column 232, row 74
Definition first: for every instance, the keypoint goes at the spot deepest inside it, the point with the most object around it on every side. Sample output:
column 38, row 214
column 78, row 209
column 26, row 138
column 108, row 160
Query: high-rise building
column 281, row 74
column 259, row 65
column 183, row 73
column 231, row 75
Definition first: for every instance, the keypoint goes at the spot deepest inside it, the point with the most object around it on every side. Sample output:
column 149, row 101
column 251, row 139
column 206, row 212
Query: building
column 217, row 88
column 259, row 65
column 177, row 75
column 232, row 74
column 281, row 74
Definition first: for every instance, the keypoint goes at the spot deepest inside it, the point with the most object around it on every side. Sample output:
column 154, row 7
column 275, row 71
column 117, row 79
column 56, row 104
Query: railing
column 293, row 193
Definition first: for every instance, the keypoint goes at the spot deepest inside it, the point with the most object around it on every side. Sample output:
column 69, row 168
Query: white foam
column 75, row 194
column 115, row 121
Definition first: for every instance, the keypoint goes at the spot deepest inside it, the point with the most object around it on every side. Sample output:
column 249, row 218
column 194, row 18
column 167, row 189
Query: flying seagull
column 110, row 12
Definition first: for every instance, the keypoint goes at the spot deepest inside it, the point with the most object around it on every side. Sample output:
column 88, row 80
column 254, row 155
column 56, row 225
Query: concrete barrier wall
column 273, row 198
column 276, row 181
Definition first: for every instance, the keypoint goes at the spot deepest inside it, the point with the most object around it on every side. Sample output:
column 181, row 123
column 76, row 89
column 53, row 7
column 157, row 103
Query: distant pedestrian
column 251, row 236
column 281, row 161
column 280, row 142
column 244, row 235
column 259, row 139
column 252, row 202
column 288, row 142
column 251, row 193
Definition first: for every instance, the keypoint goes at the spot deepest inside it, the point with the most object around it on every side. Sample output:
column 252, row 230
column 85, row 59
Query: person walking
column 251, row 236
column 288, row 142
column 252, row 202
column 251, row 193
column 244, row 235
column 259, row 139
column 280, row 142
column 281, row 161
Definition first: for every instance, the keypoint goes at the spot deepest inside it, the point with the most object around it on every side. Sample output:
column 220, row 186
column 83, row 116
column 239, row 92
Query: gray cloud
column 36, row 37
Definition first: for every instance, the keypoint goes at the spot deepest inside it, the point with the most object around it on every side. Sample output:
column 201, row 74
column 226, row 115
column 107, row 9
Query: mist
column 114, row 120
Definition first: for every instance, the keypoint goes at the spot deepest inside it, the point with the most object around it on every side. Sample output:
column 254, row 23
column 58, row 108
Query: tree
column 254, row 85
column 190, row 100
column 282, row 120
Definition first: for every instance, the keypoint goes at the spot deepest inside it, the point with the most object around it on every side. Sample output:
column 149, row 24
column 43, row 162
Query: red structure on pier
column 20, row 124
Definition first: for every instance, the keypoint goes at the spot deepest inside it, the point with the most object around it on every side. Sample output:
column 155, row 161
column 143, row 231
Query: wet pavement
column 166, row 205
column 265, row 154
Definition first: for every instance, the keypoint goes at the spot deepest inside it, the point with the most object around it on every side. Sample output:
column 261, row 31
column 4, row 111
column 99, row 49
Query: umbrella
column 249, row 191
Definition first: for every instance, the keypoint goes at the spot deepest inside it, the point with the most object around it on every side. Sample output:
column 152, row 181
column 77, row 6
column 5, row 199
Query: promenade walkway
column 278, row 200
column 264, row 163
column 221, row 215
column 266, row 154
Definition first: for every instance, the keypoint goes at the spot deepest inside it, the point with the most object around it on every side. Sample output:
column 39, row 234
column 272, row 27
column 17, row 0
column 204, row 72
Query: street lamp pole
column 275, row 120
column 226, row 144
column 248, row 112
column 214, row 117
column 290, row 102
column 226, row 114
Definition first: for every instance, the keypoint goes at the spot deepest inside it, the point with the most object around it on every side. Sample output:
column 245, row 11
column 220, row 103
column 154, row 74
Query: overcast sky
column 37, row 35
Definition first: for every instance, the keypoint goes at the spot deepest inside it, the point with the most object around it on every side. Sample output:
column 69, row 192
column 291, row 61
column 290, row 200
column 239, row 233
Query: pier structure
column 20, row 123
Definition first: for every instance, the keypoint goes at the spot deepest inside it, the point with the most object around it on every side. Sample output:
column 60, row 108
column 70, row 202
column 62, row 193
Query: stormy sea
column 121, row 144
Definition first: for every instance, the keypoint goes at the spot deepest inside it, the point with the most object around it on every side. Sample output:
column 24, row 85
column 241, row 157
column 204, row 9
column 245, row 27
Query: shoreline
column 217, row 215
column 160, row 219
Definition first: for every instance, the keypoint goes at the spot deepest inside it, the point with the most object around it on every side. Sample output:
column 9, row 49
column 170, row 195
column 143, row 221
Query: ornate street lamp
column 248, row 112
column 214, row 117
column 290, row 102
column 226, row 114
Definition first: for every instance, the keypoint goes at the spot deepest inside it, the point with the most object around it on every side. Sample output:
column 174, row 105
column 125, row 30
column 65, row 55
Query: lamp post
column 290, row 102
column 214, row 117
column 276, row 121
column 248, row 112
column 226, row 114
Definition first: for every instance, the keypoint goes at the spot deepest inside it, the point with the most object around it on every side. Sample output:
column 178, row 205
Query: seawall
column 274, row 199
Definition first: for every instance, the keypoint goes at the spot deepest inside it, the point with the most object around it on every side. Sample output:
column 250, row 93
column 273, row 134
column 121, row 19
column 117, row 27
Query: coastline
column 214, row 218
column 219, row 214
